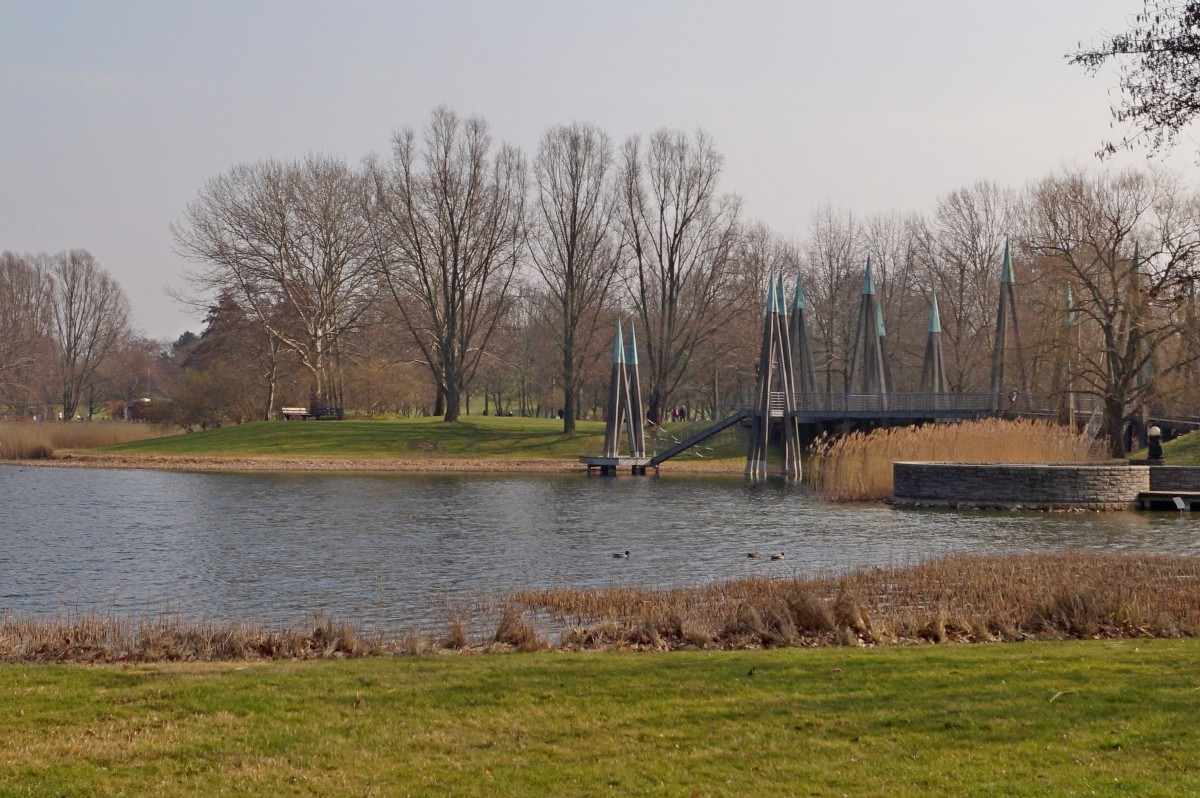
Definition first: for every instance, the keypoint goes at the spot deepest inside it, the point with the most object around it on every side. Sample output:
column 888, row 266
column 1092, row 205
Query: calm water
column 399, row 550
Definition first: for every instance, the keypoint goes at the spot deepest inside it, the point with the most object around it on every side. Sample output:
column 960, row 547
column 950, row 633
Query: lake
column 398, row 550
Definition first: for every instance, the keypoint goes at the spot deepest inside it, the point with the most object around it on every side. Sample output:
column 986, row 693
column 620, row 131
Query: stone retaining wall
column 1181, row 478
column 1098, row 486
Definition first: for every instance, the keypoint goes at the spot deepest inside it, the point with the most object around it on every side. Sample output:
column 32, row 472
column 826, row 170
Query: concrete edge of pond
column 1113, row 485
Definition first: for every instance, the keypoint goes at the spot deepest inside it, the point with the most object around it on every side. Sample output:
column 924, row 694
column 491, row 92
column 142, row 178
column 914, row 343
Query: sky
column 112, row 115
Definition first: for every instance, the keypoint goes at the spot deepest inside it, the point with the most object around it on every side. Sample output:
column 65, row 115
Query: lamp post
column 1155, row 453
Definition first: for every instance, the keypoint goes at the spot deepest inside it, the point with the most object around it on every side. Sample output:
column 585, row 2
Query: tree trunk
column 1114, row 426
column 654, row 407
column 569, row 394
column 453, row 400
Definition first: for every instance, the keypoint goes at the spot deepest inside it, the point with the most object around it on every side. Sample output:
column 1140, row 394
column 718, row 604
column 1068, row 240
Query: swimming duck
column 621, row 555
column 754, row 555
column 778, row 556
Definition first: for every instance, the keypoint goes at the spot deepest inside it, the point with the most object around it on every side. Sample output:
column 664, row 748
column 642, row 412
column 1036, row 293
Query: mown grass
column 1182, row 451
column 1094, row 718
column 858, row 466
column 476, row 436
column 27, row 440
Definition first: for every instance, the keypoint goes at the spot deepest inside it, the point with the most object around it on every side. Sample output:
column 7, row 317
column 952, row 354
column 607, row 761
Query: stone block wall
column 1100, row 486
column 1181, row 478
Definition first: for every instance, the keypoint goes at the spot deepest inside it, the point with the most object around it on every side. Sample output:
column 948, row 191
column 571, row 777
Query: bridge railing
column 895, row 403
column 917, row 403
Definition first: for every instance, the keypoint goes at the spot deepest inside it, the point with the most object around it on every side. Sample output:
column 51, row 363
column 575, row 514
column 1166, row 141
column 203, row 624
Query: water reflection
column 396, row 550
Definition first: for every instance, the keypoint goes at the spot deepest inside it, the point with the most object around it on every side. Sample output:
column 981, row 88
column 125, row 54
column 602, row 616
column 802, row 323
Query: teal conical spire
column 935, row 318
column 771, row 293
column 780, row 302
column 631, row 348
column 619, row 346
column 799, row 301
column 868, row 281
column 879, row 320
column 1006, row 269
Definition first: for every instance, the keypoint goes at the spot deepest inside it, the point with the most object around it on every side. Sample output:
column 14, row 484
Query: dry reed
column 961, row 598
column 92, row 638
column 957, row 598
column 28, row 440
column 858, row 466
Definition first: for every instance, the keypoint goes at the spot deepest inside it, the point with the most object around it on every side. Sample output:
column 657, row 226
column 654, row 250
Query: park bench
column 317, row 413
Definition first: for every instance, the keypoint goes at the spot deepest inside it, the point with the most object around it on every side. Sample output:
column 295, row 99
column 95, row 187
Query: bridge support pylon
column 624, row 411
column 775, row 396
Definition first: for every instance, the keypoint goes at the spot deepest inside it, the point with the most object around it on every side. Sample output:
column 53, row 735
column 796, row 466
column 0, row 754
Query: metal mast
column 933, row 370
column 1006, row 317
column 869, row 372
column 805, row 379
column 775, row 399
column 624, row 400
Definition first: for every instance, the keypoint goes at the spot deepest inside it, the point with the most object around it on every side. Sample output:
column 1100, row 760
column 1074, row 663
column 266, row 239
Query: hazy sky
column 113, row 114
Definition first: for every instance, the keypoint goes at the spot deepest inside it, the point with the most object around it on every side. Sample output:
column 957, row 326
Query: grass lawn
column 1184, row 450
column 470, row 437
column 476, row 436
column 1090, row 718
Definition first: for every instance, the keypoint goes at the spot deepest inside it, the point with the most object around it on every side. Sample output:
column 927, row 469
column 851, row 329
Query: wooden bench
column 290, row 413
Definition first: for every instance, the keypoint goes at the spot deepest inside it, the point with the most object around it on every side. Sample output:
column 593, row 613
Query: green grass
column 1183, row 451
column 476, row 436
column 1094, row 718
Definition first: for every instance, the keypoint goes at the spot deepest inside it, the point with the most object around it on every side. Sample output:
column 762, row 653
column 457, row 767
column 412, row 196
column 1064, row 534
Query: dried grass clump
column 29, row 440
column 858, row 466
column 516, row 630
column 91, row 638
column 955, row 599
column 456, row 637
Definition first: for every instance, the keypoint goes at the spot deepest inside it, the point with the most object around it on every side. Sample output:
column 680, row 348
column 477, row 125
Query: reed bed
column 29, row 440
column 956, row 598
column 858, row 466
column 961, row 598
column 95, row 638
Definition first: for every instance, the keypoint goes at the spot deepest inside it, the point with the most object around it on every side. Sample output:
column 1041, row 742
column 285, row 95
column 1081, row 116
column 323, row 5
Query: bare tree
column 970, row 227
column 89, row 315
column 291, row 242
column 24, row 328
column 1126, row 244
column 448, row 223
column 572, row 244
column 730, row 355
column 834, row 260
column 680, row 235
column 895, row 243
column 1158, row 61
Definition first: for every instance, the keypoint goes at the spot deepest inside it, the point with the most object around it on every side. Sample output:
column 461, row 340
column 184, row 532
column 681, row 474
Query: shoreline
column 332, row 464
